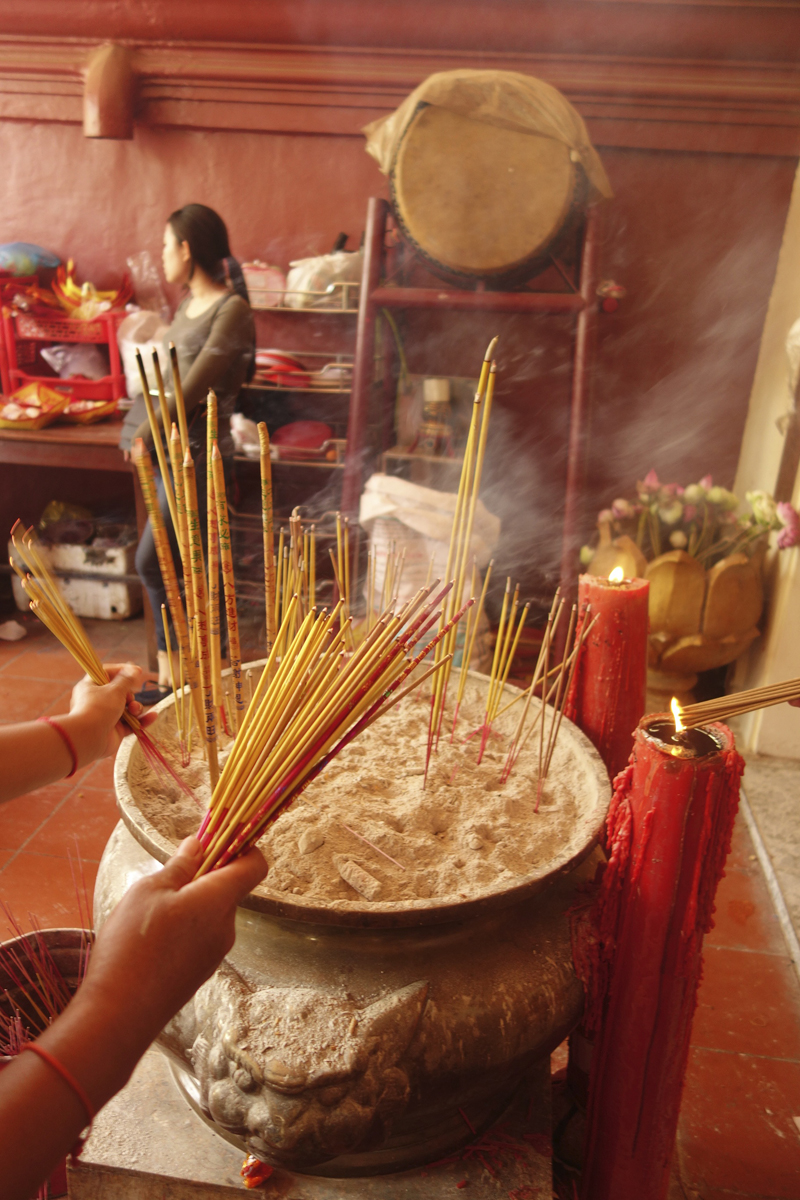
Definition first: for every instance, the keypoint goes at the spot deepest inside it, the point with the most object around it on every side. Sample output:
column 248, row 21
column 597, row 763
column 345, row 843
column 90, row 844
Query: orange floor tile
column 737, row 1137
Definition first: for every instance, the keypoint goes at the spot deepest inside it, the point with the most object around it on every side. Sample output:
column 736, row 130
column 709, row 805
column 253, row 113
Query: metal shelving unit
column 579, row 299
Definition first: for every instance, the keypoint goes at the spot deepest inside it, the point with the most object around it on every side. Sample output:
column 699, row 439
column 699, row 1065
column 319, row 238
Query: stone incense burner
column 349, row 1039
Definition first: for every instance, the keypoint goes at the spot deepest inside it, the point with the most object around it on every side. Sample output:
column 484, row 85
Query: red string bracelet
column 65, row 1075
column 66, row 739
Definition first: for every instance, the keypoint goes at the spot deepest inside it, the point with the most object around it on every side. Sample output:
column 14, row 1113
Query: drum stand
column 583, row 303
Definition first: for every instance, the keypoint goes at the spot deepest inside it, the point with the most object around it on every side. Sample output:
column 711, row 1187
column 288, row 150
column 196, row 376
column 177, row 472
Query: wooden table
column 52, row 464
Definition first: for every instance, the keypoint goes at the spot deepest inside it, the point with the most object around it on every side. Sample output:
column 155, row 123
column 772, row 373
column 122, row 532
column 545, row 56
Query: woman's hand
column 96, row 711
column 34, row 754
column 164, row 938
column 167, row 936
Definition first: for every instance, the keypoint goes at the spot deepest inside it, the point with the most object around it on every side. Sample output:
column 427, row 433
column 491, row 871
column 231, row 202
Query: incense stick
column 212, row 545
column 229, row 584
column 738, row 703
column 155, row 430
column 208, row 720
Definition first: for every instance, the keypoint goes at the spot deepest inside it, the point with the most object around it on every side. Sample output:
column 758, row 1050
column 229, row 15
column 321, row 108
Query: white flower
column 723, row 498
column 764, row 508
column 678, row 539
column 670, row 513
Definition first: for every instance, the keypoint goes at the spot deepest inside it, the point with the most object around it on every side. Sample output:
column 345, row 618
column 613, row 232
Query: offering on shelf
column 32, row 407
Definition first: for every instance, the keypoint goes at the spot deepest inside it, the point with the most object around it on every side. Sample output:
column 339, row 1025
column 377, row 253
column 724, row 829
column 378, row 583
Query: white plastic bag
column 147, row 284
column 310, row 275
column 77, row 358
column 245, row 435
column 143, row 331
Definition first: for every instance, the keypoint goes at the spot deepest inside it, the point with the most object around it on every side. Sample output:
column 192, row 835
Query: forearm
column 34, row 754
column 41, row 1116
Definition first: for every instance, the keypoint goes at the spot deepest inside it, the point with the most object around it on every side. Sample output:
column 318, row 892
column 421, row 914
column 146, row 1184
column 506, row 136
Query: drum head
column 478, row 199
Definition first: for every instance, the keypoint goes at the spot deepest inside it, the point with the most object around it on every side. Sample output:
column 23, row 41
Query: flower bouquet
column 703, row 559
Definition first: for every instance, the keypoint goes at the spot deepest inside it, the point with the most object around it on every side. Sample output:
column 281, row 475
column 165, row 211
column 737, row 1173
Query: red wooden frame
column 584, row 304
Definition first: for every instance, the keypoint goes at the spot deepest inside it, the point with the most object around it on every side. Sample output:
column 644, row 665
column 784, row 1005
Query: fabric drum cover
column 483, row 201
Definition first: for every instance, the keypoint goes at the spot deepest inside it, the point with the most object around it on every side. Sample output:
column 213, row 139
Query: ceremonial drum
column 480, row 201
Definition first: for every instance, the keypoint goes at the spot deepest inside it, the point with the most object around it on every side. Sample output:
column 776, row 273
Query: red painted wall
column 694, row 237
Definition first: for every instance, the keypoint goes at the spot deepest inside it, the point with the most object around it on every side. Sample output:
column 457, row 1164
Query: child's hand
column 97, row 711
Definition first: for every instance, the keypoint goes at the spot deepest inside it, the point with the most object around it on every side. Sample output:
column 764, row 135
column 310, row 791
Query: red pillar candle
column 669, row 833
column 607, row 696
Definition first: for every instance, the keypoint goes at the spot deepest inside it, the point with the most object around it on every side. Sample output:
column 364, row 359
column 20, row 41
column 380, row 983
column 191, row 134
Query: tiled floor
column 739, row 1133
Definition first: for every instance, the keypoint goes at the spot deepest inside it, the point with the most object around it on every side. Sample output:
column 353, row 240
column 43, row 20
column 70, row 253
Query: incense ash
column 463, row 836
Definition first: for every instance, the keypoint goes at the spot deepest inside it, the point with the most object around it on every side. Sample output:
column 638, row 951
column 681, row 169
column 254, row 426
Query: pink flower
column 706, row 482
column 650, row 481
column 604, row 516
column 790, row 519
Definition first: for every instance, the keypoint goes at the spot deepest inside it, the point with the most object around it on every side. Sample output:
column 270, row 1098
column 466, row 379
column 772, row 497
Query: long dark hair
column 207, row 235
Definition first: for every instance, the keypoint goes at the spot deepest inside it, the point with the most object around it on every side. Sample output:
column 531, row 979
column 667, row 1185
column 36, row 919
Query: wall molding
column 645, row 103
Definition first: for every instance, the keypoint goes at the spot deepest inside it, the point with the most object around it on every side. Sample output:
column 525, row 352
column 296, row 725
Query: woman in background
column 214, row 337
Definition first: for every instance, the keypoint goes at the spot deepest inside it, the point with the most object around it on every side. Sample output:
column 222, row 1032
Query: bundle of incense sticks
column 196, row 617
column 49, row 605
column 735, row 705
column 40, row 991
column 310, row 705
column 557, row 691
column 505, row 648
column 470, row 633
column 295, row 575
column 461, row 537
column 392, row 577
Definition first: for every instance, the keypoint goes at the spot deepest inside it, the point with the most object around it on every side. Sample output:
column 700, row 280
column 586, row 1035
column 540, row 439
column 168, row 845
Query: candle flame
column 617, row 575
column 676, row 712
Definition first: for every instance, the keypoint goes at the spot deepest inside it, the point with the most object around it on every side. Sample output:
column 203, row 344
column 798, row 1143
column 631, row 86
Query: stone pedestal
column 147, row 1144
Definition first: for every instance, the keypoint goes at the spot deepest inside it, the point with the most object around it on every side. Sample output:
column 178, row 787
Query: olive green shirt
column 215, row 350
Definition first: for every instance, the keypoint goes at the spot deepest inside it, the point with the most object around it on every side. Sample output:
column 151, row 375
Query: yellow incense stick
column 176, row 459
column 229, row 583
column 155, row 430
column 213, row 554
column 166, row 562
column 180, row 407
column 208, row 722
column 268, row 533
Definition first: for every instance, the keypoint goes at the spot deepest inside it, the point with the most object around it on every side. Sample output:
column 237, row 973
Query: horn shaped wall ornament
column 108, row 93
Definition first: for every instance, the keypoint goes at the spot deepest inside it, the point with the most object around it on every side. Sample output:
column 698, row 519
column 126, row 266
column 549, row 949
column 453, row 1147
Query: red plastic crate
column 29, row 328
column 62, row 329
